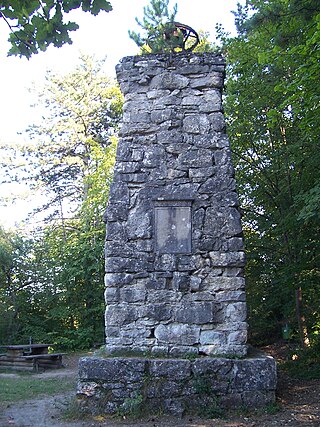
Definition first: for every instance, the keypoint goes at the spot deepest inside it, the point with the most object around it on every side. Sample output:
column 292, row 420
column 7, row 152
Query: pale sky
column 103, row 35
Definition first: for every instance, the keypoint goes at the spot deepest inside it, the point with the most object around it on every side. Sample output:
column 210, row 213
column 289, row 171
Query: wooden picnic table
column 26, row 349
column 34, row 356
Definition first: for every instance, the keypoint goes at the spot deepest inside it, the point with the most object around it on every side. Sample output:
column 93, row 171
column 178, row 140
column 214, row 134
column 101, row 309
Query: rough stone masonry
column 174, row 278
column 174, row 248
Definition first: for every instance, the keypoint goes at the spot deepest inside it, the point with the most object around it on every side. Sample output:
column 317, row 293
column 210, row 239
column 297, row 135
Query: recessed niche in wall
column 172, row 220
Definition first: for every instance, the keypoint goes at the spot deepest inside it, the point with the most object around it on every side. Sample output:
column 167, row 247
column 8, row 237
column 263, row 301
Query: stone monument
column 175, row 288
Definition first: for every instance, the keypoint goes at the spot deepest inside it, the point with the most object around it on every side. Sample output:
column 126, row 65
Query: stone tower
column 174, row 253
column 174, row 249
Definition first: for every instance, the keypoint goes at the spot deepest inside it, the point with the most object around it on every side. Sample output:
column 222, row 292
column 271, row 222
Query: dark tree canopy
column 36, row 24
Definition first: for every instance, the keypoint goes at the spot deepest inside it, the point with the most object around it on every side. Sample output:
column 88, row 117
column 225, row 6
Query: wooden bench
column 46, row 361
column 31, row 357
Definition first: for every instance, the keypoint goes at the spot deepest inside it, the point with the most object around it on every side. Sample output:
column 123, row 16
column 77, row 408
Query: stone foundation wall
column 205, row 386
column 174, row 249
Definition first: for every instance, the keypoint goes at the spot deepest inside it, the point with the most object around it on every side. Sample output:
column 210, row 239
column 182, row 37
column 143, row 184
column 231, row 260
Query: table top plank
column 22, row 346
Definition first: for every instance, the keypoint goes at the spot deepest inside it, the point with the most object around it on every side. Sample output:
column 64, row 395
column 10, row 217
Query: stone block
column 195, row 284
column 258, row 373
column 201, row 172
column 114, row 368
column 231, row 296
column 177, row 334
column 195, row 313
column 138, row 224
column 181, row 281
column 237, row 337
column 170, row 368
column 236, row 312
column 133, row 293
column 121, row 314
column 212, row 337
column 196, row 124
column 129, row 265
column 191, row 100
column 158, row 312
column 227, row 259
column 111, row 295
column 171, row 81
column 209, row 81
column 163, row 295
column 235, row 244
column 160, row 116
column 177, row 386
column 201, row 158
column 211, row 102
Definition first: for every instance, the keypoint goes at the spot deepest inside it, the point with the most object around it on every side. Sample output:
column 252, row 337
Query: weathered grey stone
column 168, row 368
column 177, row 334
column 181, row 281
column 194, row 313
column 169, row 81
column 212, row 337
column 197, row 124
column 230, row 296
column 158, row 312
column 166, row 295
column 138, row 224
column 201, row 172
column 181, row 382
column 129, row 265
column 236, row 312
column 195, row 283
column 173, row 148
column 111, row 295
column 160, row 116
column 120, row 314
column 132, row 293
column 201, row 158
column 211, row 102
column 115, row 369
column 227, row 259
column 238, row 337
column 223, row 283
column 209, row 81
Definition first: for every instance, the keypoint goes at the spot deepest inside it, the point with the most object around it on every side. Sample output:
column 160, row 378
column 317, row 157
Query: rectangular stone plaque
column 172, row 226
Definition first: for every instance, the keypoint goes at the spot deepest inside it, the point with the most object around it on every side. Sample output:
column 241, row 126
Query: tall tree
column 158, row 26
column 272, row 107
column 36, row 24
column 83, row 109
column 59, row 285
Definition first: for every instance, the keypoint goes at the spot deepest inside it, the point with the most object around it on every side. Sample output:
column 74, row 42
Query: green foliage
column 83, row 111
column 304, row 363
column 37, row 24
column 132, row 407
column 156, row 23
column 205, row 45
column 272, row 107
column 51, row 283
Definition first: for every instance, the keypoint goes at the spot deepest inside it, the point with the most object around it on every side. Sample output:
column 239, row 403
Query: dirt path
column 299, row 403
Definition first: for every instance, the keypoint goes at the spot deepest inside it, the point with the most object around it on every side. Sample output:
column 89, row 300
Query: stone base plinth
column 204, row 386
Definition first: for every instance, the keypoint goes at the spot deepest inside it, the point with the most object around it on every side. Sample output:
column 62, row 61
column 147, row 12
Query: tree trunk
column 303, row 332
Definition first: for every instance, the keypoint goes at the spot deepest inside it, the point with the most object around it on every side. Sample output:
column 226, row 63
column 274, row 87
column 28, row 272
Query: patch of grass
column 23, row 387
